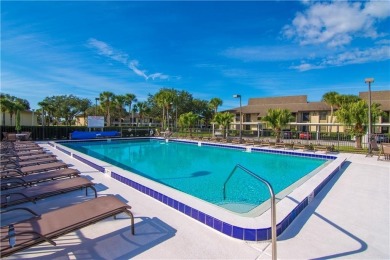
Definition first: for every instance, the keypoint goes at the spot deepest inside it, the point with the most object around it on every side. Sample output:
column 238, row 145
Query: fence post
column 338, row 140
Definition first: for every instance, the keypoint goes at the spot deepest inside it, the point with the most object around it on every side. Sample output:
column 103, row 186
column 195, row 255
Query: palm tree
column 215, row 103
column 355, row 115
column 143, row 109
column 129, row 99
column 330, row 98
column 224, row 120
column 164, row 98
column 106, row 102
column 277, row 118
column 188, row 120
column 5, row 105
column 119, row 102
column 44, row 107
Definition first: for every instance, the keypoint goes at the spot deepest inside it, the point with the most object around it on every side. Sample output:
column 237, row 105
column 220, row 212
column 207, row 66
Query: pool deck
column 348, row 219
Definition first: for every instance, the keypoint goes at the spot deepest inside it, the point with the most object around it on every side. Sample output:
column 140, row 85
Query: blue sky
column 210, row 49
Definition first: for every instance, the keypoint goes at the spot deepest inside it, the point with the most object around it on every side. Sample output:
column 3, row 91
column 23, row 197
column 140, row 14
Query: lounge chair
column 280, row 144
column 249, row 142
column 34, row 193
column 325, row 148
column 28, row 157
column 14, row 182
column 304, row 147
column 11, row 164
column 28, row 135
column 31, row 169
column 56, row 223
column 26, row 148
column 22, row 153
column 385, row 151
column 11, row 137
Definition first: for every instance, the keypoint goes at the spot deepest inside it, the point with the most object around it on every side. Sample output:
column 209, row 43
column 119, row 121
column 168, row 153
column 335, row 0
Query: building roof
column 300, row 104
column 293, row 103
column 380, row 97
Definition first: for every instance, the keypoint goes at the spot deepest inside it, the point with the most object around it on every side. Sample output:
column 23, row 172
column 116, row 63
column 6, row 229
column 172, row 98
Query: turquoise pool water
column 202, row 170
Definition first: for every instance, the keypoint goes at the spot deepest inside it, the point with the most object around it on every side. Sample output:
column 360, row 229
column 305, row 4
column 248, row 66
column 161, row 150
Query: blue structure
column 95, row 134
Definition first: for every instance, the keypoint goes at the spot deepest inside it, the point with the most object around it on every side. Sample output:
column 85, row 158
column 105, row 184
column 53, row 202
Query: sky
column 208, row 48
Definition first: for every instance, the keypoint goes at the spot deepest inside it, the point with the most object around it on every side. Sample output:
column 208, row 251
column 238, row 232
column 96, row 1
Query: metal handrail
column 273, row 204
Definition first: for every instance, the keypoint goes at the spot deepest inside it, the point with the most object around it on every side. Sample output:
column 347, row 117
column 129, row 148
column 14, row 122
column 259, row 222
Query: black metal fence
column 40, row 133
column 341, row 141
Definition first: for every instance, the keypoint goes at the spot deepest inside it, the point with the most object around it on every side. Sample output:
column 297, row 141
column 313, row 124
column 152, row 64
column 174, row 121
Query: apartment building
column 307, row 116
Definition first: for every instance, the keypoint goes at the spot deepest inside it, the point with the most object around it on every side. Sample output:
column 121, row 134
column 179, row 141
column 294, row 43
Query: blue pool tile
column 250, row 234
column 262, row 234
column 209, row 221
column 238, row 232
column 170, row 202
column 227, row 229
column 217, row 224
column 201, row 217
column 181, row 207
column 176, row 204
column 164, row 199
column 187, row 210
column 195, row 213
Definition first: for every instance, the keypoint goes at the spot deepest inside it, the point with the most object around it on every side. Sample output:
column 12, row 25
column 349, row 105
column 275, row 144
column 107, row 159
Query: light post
column 239, row 96
column 96, row 100
column 369, row 81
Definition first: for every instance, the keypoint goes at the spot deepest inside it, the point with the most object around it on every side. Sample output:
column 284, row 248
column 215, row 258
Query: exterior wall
column 27, row 118
column 313, row 112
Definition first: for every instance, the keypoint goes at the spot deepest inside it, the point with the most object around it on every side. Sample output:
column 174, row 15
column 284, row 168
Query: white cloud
column 336, row 24
column 106, row 50
column 270, row 53
column 356, row 56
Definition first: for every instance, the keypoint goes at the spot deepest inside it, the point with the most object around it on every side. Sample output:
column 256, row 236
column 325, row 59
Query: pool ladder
column 273, row 204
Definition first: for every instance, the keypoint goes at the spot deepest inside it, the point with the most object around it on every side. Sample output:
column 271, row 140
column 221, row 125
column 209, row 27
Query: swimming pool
column 200, row 169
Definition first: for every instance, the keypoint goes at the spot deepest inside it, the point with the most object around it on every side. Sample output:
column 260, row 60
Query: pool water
column 202, row 170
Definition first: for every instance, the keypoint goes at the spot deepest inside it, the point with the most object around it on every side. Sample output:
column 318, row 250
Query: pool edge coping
column 254, row 228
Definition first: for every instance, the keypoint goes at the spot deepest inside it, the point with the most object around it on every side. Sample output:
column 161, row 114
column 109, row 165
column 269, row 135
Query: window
column 293, row 117
column 323, row 115
column 305, row 117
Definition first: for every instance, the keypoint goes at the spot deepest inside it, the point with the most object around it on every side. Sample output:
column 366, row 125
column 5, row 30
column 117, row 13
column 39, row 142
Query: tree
column 277, row 119
column 143, row 109
column 63, row 109
column 215, row 103
column 106, row 102
column 44, row 106
column 119, row 102
column 346, row 99
column 224, row 120
column 164, row 98
column 330, row 98
column 5, row 105
column 84, row 105
column 129, row 99
column 188, row 120
column 355, row 115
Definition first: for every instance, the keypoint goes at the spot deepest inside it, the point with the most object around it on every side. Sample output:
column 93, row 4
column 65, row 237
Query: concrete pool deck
column 348, row 219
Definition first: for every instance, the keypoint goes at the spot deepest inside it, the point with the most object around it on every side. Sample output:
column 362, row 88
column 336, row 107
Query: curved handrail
column 273, row 204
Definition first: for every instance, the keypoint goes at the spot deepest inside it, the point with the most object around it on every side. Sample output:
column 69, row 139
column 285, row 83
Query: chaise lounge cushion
column 28, row 180
column 60, row 222
column 45, row 190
